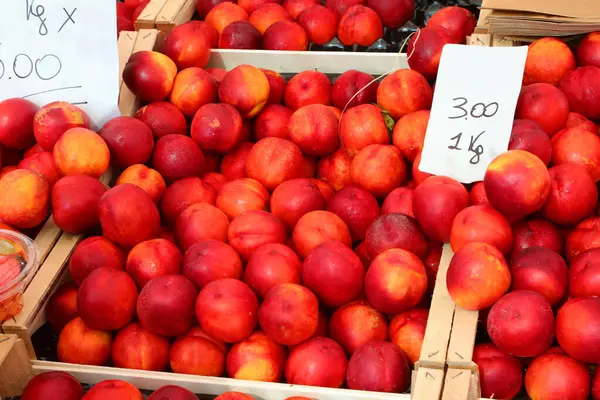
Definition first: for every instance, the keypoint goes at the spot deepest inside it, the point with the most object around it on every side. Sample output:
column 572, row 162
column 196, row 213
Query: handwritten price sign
column 473, row 110
column 63, row 50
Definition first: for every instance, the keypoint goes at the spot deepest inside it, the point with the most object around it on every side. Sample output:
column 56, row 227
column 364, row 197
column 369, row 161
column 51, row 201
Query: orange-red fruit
column 196, row 353
column 426, row 50
column 574, row 86
column 356, row 324
column 577, row 146
column 241, row 35
column 177, row 157
column 75, row 203
column 557, row 376
column 137, row 348
column 357, row 208
column 130, row 141
column 272, row 122
column 289, row 314
column 477, row 276
column 522, row 323
column 320, row 23
column 79, row 344
column 146, row 178
column 407, row 331
column 210, row 260
column 16, row 123
column 182, row 194
column 270, row 265
column 285, row 35
column 200, row 222
column 24, row 198
column 171, row 392
column 188, row 45
column 548, row 60
column 272, row 161
column 379, row 367
column 585, row 236
column 544, row 104
column 217, row 127
column 404, row 91
column 267, row 15
column 399, row 201
column 256, row 358
column 528, row 135
column 541, row 270
column 153, row 258
column 163, row 119
column 349, row 84
column 317, row 362
column 150, row 75
column 537, row 232
column 501, row 375
column 234, row 396
column 80, row 151
column 307, row 87
column 396, row 281
column 362, row 126
column 296, row 7
column 334, row 273
column 395, row 231
column 165, row 305
column 193, row 88
column 62, row 306
column 126, row 225
column 436, row 202
column 481, row 224
column 53, row 386
column 246, row 88
column 294, row 198
column 379, row 169
column 517, row 183
column 577, row 120
column 583, row 274
column 335, row 170
column 314, row 128
column 588, row 51
column 113, row 389
column 233, row 164
column 92, row 253
column 318, row 227
column 241, row 195
column 457, row 21
column 409, row 133
column 578, row 329
column 53, row 120
column 42, row 163
column 252, row 229
column 360, row 25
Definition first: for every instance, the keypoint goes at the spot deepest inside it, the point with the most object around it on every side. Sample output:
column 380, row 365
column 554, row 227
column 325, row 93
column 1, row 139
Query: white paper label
column 65, row 50
column 473, row 109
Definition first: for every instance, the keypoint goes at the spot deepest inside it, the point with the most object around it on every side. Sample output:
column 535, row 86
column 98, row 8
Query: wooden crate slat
column 175, row 12
column 147, row 18
column 15, row 367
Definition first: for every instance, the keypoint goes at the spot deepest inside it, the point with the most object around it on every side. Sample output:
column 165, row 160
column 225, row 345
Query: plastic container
column 19, row 261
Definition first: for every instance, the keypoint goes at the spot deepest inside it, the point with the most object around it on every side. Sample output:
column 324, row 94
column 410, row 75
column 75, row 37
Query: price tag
column 473, row 109
column 63, row 50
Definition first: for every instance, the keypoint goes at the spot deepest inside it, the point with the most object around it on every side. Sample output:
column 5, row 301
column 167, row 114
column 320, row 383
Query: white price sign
column 63, row 50
column 473, row 109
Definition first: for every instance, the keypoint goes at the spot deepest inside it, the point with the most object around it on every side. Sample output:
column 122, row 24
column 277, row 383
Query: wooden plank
column 175, row 12
column 47, row 237
column 126, row 42
column 147, row 19
column 15, row 367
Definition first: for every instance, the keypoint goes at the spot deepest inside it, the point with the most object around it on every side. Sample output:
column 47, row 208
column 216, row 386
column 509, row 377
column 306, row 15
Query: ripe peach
column 165, row 305
column 478, row 196
column 340, row 6
column 75, row 203
column 577, row 328
column 272, row 122
column 548, row 61
column 182, row 194
column 92, row 253
column 513, row 199
column 577, row 146
column 163, row 119
column 171, row 392
column 53, row 120
column 62, row 306
column 199, row 222
column 588, row 51
column 152, row 258
column 150, row 75
column 396, row 281
column 395, row 231
column 214, row 180
column 318, row 227
column 577, row 120
column 24, row 198
column 240, row 35
column 17, row 126
column 545, row 105
column 335, row 169
column 557, row 376
column 4, row 171
column 357, row 208
column 113, row 389
column 334, row 273
column 317, row 362
column 529, row 136
column 418, row 175
column 314, row 129
column 270, row 265
column 233, row 165
column 320, row 24
column 379, row 366
column 521, row 323
column 79, row 344
column 500, row 374
column 407, row 331
column 246, row 88
column 256, row 358
column 80, row 151
column 457, row 21
column 361, row 126
column 227, row 310
column 33, row 150
column 254, row 228
column 294, row 198
column 177, row 156
column 582, row 274
column 379, row 169
column 596, row 385
column 130, row 141
column 295, row 7
column 289, row 314
column 277, row 85
column 234, row 396
column 224, row 14
column 399, row 201
column 307, row 87
column 123, row 224
column 145, row 178
column 573, row 195
column 436, row 202
column 198, row 354
column 481, row 224
column 204, row 6
column 541, row 270
column 582, row 101
column 188, row 45
column 266, row 15
column 356, row 324
column 409, row 134
column 53, row 386
column 426, row 50
column 360, row 25
column 193, row 88
column 241, row 195
column 347, row 85
column 42, row 163
column 217, row 127
column 209, row 260
column 404, row 91
column 585, row 236
column 137, row 348
column 272, row 161
column 536, row 232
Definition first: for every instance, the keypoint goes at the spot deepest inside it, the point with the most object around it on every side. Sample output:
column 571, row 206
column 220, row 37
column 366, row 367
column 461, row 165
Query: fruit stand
column 269, row 221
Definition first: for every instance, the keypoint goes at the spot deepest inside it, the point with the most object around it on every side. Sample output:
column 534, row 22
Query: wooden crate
column 15, row 366
column 164, row 15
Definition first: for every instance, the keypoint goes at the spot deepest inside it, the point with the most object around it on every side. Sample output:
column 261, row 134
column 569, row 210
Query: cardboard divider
column 15, row 367
column 164, row 15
